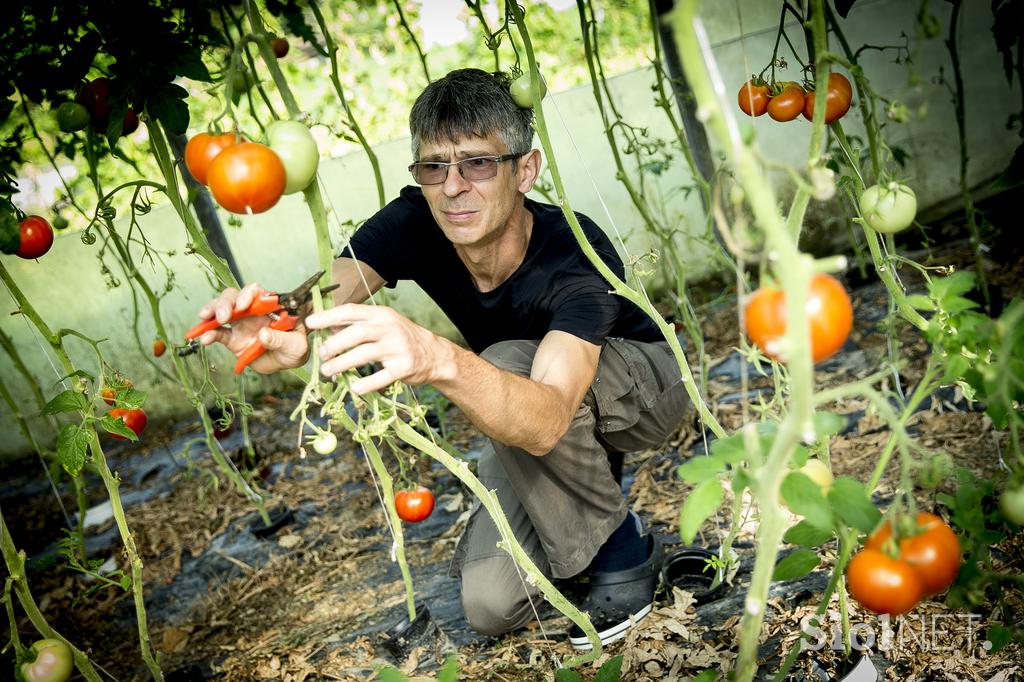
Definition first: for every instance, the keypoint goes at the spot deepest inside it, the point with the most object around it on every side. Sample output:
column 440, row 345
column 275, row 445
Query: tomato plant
column 521, row 90
column 883, row 584
column 203, row 148
column 788, row 104
column 1011, row 503
column 72, row 117
column 159, row 347
column 888, row 208
column 279, row 46
column 297, row 150
column 753, row 97
column 36, row 237
column 931, row 549
column 247, row 178
column 134, row 419
column 51, row 661
column 829, row 313
column 325, row 443
column 414, row 505
column 837, row 99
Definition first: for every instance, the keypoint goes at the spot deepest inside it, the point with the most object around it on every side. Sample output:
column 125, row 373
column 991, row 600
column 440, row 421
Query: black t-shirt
column 555, row 287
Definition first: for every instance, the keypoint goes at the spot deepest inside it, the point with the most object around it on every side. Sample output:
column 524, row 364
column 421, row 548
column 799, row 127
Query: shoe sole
column 612, row 634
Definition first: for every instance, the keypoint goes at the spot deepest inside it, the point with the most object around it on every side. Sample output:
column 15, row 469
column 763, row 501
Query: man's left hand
column 374, row 333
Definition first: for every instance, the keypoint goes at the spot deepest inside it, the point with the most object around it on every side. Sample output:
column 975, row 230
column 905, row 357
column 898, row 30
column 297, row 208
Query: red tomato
column 93, row 97
column 788, row 104
column 934, row 553
column 131, row 122
column 882, row 584
column 829, row 313
column 247, row 178
column 159, row 346
column 753, row 98
column 279, row 46
column 36, row 237
column 837, row 99
column 133, row 419
column 414, row 505
column 202, row 149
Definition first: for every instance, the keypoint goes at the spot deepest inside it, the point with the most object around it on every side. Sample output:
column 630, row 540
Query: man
column 559, row 373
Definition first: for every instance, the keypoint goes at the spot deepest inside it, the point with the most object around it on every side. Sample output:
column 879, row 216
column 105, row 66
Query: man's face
column 472, row 213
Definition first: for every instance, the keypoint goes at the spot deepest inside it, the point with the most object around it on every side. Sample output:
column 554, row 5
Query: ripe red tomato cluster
column 249, row 177
column 829, row 313
column 890, row 577
column 93, row 97
column 786, row 100
column 414, row 505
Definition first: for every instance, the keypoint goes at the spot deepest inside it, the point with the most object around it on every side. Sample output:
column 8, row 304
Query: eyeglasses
column 476, row 168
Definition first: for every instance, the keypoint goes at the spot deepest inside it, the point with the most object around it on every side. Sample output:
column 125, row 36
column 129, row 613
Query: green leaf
column 567, row 675
column 729, row 450
column 919, row 302
column 449, row 672
column 189, row 63
column 697, row 507
column 828, row 424
column 66, row 401
column 72, row 447
column 388, row 674
column 610, row 671
column 700, row 468
column 117, row 425
column 796, row 565
column 130, row 398
column 804, row 497
column 852, row 504
column 10, row 233
column 807, row 534
column 999, row 636
column 709, row 675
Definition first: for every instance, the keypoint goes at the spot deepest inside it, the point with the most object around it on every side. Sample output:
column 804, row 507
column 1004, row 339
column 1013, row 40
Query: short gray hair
column 470, row 102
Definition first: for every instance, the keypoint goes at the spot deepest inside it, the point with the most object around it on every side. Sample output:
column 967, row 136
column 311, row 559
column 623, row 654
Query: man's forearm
column 509, row 408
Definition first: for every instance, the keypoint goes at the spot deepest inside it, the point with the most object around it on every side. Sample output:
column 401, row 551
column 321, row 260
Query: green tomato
column 521, row 90
column 240, row 81
column 291, row 141
column 50, row 661
column 888, row 208
column 325, row 443
column 72, row 116
column 59, row 222
column 1011, row 503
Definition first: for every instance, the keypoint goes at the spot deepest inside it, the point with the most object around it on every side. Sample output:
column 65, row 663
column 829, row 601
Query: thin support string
column 36, row 334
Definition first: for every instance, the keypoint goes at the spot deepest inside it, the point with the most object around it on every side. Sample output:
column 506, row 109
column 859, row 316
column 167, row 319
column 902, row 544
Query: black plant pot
column 279, row 517
column 687, row 568
column 401, row 638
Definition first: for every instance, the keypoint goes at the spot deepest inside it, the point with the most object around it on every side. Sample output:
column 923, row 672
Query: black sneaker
column 618, row 600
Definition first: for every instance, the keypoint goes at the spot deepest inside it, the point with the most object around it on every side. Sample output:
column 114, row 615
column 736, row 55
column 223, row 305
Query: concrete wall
column 276, row 248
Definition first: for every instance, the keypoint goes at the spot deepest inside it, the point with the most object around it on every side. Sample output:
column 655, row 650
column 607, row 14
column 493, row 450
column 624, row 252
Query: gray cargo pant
column 563, row 506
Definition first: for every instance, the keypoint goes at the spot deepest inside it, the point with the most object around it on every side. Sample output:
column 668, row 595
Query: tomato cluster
column 829, row 314
column 890, row 577
column 784, row 101
column 249, row 177
column 92, row 100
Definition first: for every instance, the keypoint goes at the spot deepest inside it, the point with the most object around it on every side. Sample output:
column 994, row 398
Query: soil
column 312, row 600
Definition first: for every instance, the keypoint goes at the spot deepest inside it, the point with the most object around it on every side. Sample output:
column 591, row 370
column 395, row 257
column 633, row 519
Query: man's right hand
column 285, row 350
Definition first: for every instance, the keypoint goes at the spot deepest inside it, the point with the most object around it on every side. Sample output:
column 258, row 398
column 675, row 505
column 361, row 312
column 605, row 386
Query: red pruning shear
column 283, row 309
